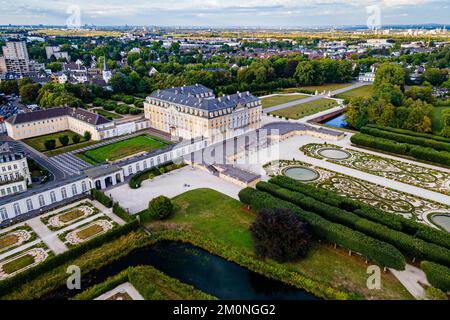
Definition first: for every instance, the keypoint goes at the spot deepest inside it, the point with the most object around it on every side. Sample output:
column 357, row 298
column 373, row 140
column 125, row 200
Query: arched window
column 53, row 196
column 41, row 200
column 63, row 193
column 29, row 205
column 74, row 189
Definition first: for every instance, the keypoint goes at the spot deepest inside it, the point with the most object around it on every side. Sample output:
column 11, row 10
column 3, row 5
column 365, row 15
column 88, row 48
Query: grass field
column 364, row 91
column 107, row 114
column 327, row 87
column 89, row 231
column 279, row 99
column 305, row 109
column 122, row 149
column 436, row 116
column 71, row 215
column 38, row 142
column 226, row 220
column 8, row 240
column 18, row 264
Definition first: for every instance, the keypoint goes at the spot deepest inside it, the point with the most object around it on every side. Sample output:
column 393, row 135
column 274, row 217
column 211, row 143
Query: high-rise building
column 16, row 57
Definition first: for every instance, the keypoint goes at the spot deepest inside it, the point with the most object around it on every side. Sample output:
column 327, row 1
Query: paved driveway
column 170, row 185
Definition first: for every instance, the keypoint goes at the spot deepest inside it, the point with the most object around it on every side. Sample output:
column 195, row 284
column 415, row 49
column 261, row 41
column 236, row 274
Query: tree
column 389, row 73
column 435, row 76
column 29, row 93
column 50, row 144
column 280, row 234
column 76, row 138
column 64, row 140
column 159, row 208
column 87, row 136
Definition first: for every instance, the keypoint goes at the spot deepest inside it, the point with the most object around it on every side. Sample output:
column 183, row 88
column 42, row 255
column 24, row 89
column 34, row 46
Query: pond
column 442, row 220
column 337, row 122
column 192, row 265
column 301, row 173
column 333, row 153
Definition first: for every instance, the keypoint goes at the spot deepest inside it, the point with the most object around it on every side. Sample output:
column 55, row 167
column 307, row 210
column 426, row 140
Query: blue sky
column 222, row 13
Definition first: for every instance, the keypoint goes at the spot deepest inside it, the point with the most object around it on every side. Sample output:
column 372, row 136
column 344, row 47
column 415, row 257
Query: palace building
column 14, row 172
column 195, row 112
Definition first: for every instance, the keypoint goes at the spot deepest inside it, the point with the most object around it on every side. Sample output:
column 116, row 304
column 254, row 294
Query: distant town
column 303, row 157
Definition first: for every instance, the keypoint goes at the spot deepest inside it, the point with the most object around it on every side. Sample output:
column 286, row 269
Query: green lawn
column 221, row 218
column 38, row 142
column 107, row 114
column 122, row 149
column 279, row 99
column 436, row 116
column 327, row 87
column 305, row 109
column 364, row 91
column 18, row 264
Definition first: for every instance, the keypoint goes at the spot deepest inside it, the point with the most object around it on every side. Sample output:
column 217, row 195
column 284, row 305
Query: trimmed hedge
column 137, row 179
column 406, row 243
column 379, row 143
column 407, row 138
column 102, row 198
column 437, row 275
column 146, row 279
column 99, row 289
column 411, row 133
column 388, row 219
column 374, row 250
column 9, row 284
column 121, row 212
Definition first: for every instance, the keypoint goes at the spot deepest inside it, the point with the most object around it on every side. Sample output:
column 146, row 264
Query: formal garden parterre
column 384, row 198
column 87, row 231
column 60, row 220
column 16, row 237
column 423, row 177
column 23, row 260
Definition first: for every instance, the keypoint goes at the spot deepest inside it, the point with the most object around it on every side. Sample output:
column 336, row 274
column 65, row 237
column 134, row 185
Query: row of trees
column 391, row 106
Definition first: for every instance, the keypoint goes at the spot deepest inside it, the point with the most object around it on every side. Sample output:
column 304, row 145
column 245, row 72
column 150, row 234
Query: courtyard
column 170, row 184
column 38, row 143
column 122, row 149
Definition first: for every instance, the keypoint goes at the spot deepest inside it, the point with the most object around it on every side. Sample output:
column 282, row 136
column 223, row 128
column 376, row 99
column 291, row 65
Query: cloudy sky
column 220, row 13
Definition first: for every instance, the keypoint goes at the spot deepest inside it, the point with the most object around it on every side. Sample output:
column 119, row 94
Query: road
column 313, row 98
column 39, row 157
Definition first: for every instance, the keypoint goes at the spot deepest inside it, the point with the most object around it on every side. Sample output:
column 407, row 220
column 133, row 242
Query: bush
column 402, row 241
column 98, row 102
column 50, row 144
column 437, row 275
column 64, row 140
column 87, row 135
column 101, row 197
column 280, row 234
column 76, row 138
column 109, row 106
column 374, row 250
column 122, row 109
column 136, row 180
column 158, row 208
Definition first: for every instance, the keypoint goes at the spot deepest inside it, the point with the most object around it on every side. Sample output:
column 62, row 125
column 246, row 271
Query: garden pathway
column 50, row 238
column 411, row 278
